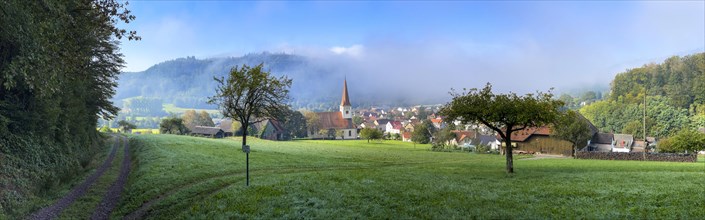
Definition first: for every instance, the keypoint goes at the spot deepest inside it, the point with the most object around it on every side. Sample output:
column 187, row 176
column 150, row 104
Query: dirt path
column 112, row 197
column 546, row 156
column 54, row 210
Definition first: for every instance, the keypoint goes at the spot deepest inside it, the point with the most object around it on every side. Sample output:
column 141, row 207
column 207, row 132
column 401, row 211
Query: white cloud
column 354, row 50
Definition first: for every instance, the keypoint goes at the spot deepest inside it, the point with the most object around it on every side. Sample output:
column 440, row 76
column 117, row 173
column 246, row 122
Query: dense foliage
column 191, row 119
column 173, row 125
column 574, row 128
column 686, row 140
column 675, row 99
column 423, row 132
column 294, row 123
column 58, row 64
column 370, row 134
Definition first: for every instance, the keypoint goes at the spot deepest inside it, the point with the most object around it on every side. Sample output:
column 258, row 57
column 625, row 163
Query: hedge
column 636, row 156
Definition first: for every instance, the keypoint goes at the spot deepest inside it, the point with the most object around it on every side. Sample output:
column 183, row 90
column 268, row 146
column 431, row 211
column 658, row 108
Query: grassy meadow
column 190, row 177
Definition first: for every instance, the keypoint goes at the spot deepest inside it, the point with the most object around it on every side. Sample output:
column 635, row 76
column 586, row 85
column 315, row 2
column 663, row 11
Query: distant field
column 189, row 177
column 171, row 108
column 145, row 131
column 139, row 130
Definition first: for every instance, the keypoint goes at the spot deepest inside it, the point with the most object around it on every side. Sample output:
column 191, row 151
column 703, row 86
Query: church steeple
column 345, row 107
column 346, row 100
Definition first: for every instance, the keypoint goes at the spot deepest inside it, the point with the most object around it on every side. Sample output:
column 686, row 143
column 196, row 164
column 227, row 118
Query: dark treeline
column 59, row 62
column 143, row 106
column 675, row 99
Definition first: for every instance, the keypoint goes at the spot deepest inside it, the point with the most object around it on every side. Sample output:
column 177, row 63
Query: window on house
column 346, row 112
column 349, row 133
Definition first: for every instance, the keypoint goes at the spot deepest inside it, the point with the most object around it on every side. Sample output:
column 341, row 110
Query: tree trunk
column 244, row 134
column 508, row 153
column 575, row 151
column 508, row 150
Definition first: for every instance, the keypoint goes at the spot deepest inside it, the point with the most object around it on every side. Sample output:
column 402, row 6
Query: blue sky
column 569, row 42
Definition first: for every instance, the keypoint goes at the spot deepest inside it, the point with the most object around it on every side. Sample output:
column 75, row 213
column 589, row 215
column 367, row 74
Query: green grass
column 172, row 109
column 188, row 177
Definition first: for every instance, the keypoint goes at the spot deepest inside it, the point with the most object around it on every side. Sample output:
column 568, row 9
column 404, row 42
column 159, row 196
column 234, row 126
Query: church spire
column 346, row 100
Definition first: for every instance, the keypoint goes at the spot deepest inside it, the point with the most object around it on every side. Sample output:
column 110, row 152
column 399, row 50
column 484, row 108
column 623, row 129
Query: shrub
column 482, row 149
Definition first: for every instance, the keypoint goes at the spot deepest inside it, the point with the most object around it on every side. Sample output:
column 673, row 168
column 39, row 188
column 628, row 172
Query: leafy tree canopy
column 250, row 94
column 503, row 113
column 574, row 128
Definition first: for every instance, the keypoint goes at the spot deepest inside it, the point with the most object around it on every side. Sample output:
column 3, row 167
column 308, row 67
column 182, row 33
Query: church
column 339, row 120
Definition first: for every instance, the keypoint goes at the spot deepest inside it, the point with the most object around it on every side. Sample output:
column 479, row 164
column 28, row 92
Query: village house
column 409, row 127
column 226, row 124
column 394, row 127
column 269, row 129
column 339, row 121
column 608, row 142
column 368, row 125
column 213, row 132
column 488, row 140
column 622, row 143
column 463, row 138
column 406, row 136
column 601, row 142
column 438, row 123
column 381, row 124
column 539, row 140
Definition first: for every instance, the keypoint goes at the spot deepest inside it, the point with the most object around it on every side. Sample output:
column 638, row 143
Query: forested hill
column 675, row 91
column 187, row 82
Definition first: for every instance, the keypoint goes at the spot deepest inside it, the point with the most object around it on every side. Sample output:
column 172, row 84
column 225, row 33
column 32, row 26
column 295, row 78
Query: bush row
column 637, row 156
column 31, row 166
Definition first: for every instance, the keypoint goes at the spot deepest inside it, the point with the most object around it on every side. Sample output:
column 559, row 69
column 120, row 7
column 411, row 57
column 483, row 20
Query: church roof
column 334, row 120
column 346, row 100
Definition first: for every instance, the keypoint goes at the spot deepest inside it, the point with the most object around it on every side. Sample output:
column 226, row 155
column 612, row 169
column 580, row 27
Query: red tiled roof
column 406, row 135
column 523, row 135
column 461, row 135
column 334, row 120
column 396, row 125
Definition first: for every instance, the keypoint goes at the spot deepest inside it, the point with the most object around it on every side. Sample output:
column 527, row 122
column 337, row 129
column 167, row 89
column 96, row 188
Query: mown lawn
column 188, row 177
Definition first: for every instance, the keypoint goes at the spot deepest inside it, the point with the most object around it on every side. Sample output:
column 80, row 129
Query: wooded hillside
column 59, row 62
column 675, row 98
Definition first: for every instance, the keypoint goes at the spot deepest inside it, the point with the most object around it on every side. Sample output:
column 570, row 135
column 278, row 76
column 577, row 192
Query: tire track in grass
column 84, row 206
column 54, row 210
column 145, row 208
column 112, row 197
